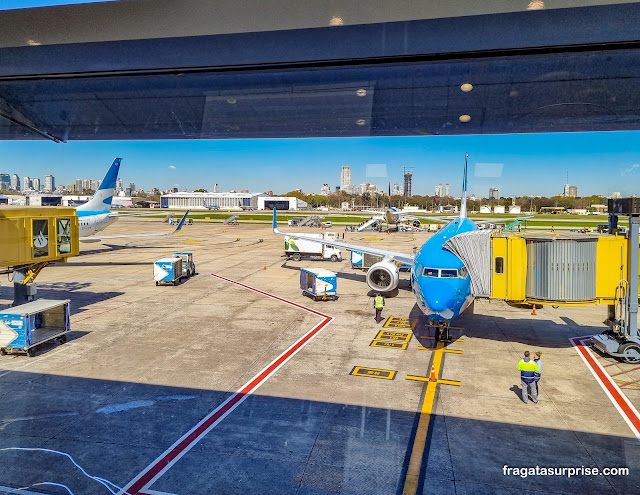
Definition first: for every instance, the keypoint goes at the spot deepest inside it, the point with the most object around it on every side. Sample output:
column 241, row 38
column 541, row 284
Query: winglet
column 275, row 222
column 182, row 220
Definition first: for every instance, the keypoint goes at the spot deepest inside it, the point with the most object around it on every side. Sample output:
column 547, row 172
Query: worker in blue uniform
column 528, row 368
column 537, row 358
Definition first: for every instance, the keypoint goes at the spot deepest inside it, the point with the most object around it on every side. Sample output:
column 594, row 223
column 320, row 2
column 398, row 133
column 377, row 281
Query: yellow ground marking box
column 389, row 344
column 391, row 335
column 399, row 322
column 373, row 373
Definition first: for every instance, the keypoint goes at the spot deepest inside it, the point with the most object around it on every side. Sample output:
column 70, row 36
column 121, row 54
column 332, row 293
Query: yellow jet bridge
column 31, row 237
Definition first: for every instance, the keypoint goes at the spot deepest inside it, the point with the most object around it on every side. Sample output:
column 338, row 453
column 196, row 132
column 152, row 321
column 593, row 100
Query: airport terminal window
column 64, row 235
column 499, row 264
column 449, row 273
column 40, row 237
column 430, row 272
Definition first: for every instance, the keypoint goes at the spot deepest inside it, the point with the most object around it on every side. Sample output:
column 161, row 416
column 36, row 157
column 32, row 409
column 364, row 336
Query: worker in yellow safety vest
column 378, row 304
column 528, row 369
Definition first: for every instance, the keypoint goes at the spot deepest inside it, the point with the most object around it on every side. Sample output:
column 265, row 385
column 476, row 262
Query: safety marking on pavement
column 373, row 372
column 427, row 379
column 433, row 338
column 399, row 322
column 453, row 351
column 617, row 397
column 158, row 467
column 390, row 344
column 390, row 335
column 371, row 239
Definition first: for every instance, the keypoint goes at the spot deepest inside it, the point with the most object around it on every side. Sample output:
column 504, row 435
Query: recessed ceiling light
column 466, row 87
column 535, row 5
column 336, row 20
column 231, row 100
column 33, row 42
column 464, row 118
column 361, row 92
column 360, row 122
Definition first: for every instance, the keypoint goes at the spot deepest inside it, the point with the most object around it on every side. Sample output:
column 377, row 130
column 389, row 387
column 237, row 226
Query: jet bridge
column 32, row 237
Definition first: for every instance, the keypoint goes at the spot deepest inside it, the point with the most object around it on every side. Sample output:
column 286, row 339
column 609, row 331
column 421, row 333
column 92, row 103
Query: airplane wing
column 400, row 257
column 149, row 234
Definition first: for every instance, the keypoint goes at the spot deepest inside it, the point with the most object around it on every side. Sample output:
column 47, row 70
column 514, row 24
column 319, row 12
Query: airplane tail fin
column 275, row 222
column 184, row 218
column 463, row 203
column 101, row 201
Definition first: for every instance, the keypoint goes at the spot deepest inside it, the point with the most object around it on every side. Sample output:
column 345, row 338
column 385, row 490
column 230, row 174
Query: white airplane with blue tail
column 95, row 215
column 439, row 279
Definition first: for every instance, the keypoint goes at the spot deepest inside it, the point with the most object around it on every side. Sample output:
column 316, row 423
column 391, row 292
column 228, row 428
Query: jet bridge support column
column 623, row 340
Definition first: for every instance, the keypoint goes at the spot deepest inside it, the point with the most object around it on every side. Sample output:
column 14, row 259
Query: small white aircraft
column 95, row 214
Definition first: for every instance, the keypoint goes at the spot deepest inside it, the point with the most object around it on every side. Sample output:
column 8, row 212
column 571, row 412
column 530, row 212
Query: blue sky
column 518, row 164
column 23, row 4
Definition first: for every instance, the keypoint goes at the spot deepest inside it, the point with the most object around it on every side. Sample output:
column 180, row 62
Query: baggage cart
column 24, row 327
column 318, row 283
column 167, row 271
column 188, row 266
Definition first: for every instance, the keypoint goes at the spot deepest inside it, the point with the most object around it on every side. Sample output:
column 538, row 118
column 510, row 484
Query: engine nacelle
column 383, row 276
column 416, row 223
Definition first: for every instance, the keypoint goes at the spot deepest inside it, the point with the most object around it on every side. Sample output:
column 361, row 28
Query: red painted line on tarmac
column 152, row 472
column 627, row 371
column 620, row 401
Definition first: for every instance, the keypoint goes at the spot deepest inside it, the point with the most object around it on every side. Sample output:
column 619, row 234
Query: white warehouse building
column 229, row 201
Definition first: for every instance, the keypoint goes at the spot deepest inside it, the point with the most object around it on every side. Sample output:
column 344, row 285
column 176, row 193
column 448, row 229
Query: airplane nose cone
column 439, row 296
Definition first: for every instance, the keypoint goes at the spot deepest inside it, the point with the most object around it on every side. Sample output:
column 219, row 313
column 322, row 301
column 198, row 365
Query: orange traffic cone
column 265, row 267
column 534, row 310
column 433, row 373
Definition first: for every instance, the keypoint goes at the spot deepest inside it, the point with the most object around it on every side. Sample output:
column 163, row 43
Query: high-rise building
column 49, row 183
column 15, row 182
column 119, row 185
column 35, row 184
column 439, row 190
column 93, row 184
column 26, row 183
column 345, row 179
column 325, row 190
column 132, row 186
column 86, row 184
column 407, row 184
column 5, row 181
column 79, row 188
column 570, row 191
column 396, row 191
column 447, row 190
column 216, row 188
column 494, row 193
column 616, row 195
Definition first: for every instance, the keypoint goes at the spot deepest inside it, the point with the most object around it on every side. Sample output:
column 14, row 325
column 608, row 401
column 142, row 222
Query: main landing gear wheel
column 631, row 353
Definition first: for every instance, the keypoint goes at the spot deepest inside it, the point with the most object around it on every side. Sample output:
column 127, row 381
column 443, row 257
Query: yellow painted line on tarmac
column 433, row 338
column 420, row 439
column 391, row 335
column 400, row 323
column 389, row 344
column 450, row 382
column 453, row 351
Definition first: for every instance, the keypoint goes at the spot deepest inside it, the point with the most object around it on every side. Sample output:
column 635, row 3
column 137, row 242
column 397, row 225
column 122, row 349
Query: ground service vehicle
column 303, row 248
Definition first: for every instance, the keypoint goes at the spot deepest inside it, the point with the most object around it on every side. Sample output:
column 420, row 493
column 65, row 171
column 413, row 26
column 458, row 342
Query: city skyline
column 520, row 165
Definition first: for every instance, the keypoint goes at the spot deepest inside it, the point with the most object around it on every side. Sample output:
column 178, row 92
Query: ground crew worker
column 528, row 368
column 537, row 358
column 378, row 303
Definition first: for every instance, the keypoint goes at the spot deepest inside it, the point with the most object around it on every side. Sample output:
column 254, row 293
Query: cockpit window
column 446, row 273
column 430, row 272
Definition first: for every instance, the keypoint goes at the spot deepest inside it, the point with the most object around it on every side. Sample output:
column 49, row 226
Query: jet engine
column 383, row 276
column 416, row 223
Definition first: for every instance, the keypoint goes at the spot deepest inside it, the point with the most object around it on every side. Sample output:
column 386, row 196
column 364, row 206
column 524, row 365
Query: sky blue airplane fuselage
column 440, row 295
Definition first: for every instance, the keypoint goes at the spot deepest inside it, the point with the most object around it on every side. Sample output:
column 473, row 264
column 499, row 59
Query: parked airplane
column 392, row 216
column 211, row 207
column 95, row 214
column 440, row 282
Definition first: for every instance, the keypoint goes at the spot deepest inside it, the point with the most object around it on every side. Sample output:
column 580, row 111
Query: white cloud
column 632, row 170
column 172, row 167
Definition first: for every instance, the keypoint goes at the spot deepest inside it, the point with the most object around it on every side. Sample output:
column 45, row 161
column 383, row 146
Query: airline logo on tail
column 101, row 201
